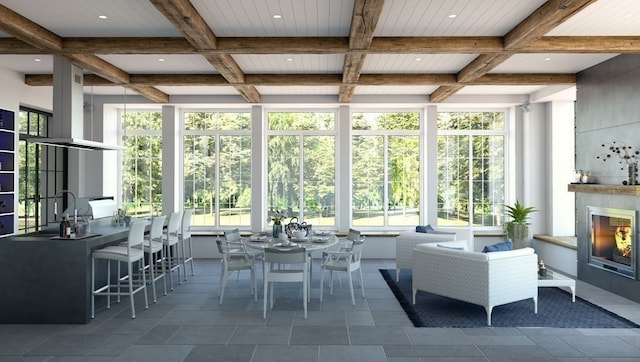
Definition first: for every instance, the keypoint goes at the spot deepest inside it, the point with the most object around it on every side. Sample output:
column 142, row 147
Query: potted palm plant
column 517, row 230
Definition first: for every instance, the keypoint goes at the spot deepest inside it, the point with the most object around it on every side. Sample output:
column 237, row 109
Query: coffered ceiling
column 342, row 48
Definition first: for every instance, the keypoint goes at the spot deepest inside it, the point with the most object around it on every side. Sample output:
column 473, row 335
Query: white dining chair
column 346, row 259
column 235, row 258
column 293, row 256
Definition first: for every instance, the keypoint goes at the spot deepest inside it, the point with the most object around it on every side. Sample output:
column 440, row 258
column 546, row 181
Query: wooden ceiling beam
column 329, row 45
column 43, row 39
column 584, row 44
column 443, row 92
column 186, row 18
column 436, row 44
column 28, row 31
column 533, row 27
column 288, row 80
column 540, row 22
column 151, row 93
column 128, row 45
column 364, row 20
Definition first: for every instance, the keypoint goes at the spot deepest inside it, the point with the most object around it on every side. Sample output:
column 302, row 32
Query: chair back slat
column 185, row 226
column 285, row 256
column 157, row 224
column 232, row 236
column 136, row 234
column 174, row 223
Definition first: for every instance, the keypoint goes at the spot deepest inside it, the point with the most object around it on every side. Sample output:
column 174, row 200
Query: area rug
column 555, row 310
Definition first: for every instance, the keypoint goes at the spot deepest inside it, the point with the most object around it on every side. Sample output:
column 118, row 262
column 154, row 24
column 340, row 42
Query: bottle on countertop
column 61, row 232
column 67, row 226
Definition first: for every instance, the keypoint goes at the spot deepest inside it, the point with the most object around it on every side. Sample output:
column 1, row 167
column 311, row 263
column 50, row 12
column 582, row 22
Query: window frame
column 506, row 133
column 420, row 133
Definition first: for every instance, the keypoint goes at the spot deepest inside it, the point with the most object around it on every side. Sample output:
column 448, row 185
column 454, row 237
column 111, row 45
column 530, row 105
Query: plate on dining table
column 322, row 233
column 320, row 240
column 285, row 245
column 259, row 239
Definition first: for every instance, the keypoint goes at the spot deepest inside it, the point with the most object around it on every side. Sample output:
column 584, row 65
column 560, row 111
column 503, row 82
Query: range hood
column 68, row 118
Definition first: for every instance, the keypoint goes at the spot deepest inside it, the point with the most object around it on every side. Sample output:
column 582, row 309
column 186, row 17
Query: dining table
column 316, row 241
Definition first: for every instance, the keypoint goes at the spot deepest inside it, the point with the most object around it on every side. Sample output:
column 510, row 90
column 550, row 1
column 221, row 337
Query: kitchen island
column 48, row 281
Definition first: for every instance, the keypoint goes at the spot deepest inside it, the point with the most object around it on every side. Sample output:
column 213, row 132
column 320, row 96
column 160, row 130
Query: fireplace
column 613, row 240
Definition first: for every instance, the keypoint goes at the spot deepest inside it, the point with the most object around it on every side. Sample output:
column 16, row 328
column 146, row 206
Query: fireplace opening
column 613, row 239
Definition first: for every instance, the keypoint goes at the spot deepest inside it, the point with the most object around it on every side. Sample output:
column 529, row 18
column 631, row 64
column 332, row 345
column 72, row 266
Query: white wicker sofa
column 407, row 241
column 486, row 279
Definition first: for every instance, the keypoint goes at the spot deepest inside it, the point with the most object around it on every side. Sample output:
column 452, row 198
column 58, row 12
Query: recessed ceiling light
column 289, row 59
column 277, row 16
column 161, row 59
column 102, row 16
column 452, row 16
column 547, row 59
column 418, row 59
column 37, row 60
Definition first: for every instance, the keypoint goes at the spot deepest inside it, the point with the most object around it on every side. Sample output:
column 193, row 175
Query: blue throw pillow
column 504, row 246
column 423, row 228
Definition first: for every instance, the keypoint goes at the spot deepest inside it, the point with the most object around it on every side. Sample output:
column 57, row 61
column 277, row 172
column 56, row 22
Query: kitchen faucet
column 55, row 205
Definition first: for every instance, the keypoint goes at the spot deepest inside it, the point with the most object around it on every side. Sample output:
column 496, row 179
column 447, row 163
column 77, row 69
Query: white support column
column 560, row 162
column 343, row 169
column 430, row 167
column 172, row 170
column 258, row 170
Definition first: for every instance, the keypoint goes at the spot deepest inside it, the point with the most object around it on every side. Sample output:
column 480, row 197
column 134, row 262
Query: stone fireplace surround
column 605, row 196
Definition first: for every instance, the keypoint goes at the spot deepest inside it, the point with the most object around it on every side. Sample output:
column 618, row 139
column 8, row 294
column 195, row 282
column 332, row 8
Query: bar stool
column 131, row 252
column 170, row 242
column 154, row 250
column 184, row 237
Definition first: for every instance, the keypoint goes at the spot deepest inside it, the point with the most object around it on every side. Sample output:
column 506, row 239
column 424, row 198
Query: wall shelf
column 606, row 189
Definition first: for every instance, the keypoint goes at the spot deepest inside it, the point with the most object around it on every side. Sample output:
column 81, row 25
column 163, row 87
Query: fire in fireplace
column 613, row 239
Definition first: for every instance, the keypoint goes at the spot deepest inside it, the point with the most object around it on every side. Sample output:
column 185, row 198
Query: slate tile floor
column 190, row 325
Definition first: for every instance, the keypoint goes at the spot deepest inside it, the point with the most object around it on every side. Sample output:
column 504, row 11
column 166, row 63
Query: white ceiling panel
column 604, row 17
column 499, row 90
column 416, row 63
column 395, row 90
column 72, row 18
column 298, row 17
column 38, row 64
column 472, row 17
column 290, row 63
column 198, row 90
column 103, row 90
column 161, row 63
column 550, row 63
column 298, row 90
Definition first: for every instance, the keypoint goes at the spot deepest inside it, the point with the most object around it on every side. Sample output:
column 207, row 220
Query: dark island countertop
column 49, row 280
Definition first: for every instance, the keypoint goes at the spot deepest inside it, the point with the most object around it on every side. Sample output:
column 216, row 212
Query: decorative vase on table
column 277, row 229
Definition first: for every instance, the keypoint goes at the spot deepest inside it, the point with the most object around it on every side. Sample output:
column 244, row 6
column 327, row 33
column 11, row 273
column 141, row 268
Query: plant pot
column 519, row 235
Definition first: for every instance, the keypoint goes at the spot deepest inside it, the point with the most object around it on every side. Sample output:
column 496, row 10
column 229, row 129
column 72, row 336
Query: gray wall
column 607, row 110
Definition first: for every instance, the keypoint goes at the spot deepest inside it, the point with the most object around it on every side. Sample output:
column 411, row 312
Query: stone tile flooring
column 190, row 325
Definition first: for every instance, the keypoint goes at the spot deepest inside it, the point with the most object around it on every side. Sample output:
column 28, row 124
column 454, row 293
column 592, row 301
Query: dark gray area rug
column 555, row 310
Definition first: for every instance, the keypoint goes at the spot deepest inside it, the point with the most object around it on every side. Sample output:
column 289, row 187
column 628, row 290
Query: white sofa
column 488, row 280
column 407, row 241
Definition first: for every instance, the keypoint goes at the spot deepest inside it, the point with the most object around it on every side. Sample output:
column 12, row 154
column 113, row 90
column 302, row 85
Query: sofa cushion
column 423, row 228
column 454, row 246
column 503, row 246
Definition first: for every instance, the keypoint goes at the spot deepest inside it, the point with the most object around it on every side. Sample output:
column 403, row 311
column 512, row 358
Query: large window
column 142, row 163
column 301, row 166
column 471, row 168
column 39, row 181
column 385, row 169
column 217, row 168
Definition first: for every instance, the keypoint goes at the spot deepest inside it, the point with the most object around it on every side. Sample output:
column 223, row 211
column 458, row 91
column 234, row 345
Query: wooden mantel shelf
column 606, row 189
